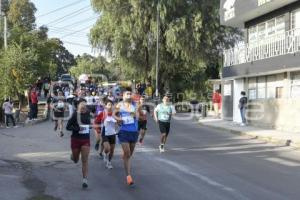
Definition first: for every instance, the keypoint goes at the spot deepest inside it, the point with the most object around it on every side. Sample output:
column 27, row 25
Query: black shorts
column 111, row 139
column 164, row 127
column 58, row 115
column 142, row 125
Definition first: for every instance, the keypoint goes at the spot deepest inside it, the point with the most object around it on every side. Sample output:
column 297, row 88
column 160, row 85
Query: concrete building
column 266, row 65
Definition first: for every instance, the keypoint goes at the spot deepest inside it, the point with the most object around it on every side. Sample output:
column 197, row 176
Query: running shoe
column 61, row 134
column 105, row 158
column 129, row 180
column 109, row 165
column 141, row 141
column 97, row 146
column 72, row 157
column 84, row 183
column 161, row 148
column 101, row 156
column 55, row 128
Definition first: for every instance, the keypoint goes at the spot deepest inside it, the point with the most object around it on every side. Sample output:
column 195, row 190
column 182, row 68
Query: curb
column 269, row 139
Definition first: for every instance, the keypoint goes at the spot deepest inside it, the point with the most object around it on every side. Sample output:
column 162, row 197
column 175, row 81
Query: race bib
column 165, row 116
column 84, row 129
column 60, row 105
column 110, row 128
column 128, row 120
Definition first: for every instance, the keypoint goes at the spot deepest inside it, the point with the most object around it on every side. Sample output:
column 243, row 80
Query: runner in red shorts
column 80, row 125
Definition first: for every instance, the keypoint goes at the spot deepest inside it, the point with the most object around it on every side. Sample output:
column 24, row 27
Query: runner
column 162, row 115
column 99, row 110
column 108, row 132
column 143, row 119
column 59, row 107
column 79, row 124
column 128, row 133
column 111, row 97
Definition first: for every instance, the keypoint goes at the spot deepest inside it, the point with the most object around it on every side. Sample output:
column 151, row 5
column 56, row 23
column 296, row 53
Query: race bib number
column 84, row 129
column 128, row 120
column 165, row 116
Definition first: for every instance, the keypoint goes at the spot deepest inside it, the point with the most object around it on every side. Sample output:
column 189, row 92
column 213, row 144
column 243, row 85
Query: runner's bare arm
column 117, row 110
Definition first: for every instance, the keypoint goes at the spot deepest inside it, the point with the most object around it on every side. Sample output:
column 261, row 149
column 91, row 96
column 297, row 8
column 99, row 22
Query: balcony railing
column 276, row 45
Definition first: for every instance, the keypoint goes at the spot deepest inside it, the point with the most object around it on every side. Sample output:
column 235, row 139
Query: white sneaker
column 84, row 183
column 16, row 126
column 242, row 124
column 161, row 149
column 108, row 165
column 105, row 158
column 7, row 127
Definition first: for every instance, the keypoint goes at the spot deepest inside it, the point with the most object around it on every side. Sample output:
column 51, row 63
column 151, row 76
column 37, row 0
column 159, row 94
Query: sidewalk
column 269, row 135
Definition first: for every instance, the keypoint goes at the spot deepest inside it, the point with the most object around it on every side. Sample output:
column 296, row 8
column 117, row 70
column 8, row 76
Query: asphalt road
column 199, row 163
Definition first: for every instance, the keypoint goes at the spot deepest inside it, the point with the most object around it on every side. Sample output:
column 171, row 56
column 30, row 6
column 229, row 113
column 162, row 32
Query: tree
column 190, row 44
column 87, row 64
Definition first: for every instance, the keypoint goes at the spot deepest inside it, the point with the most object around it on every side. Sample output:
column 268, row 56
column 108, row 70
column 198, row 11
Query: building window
column 271, row 83
column 265, row 29
column 271, row 28
column 252, row 85
column 275, row 86
column 261, row 87
column 295, row 19
column 279, row 92
column 295, row 84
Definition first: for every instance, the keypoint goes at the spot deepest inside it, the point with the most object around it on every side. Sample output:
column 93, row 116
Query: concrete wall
column 281, row 114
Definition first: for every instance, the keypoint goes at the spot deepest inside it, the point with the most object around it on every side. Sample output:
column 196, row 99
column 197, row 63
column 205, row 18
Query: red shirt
column 216, row 98
column 34, row 97
column 100, row 119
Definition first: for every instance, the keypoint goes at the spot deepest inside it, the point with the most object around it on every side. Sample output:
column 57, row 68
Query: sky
column 71, row 24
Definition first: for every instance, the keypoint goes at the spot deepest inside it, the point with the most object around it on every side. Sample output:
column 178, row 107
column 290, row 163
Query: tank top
column 130, row 123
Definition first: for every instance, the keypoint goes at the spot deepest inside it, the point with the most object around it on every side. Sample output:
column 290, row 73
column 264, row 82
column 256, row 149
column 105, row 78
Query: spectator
column 46, row 88
column 217, row 100
column 34, row 104
column 8, row 111
column 242, row 106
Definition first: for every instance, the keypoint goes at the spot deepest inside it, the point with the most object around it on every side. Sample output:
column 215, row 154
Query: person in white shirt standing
column 8, row 111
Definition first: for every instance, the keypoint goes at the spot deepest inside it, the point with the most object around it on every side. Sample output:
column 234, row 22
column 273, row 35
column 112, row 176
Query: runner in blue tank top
column 127, row 114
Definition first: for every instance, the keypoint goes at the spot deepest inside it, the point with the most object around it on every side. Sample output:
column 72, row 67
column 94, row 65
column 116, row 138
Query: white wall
column 238, row 87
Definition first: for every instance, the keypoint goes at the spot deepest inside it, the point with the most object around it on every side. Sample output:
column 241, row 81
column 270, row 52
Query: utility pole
column 157, row 48
column 5, row 26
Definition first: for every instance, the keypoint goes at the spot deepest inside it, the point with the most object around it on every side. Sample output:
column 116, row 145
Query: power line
column 61, row 8
column 79, row 22
column 76, row 31
column 77, row 44
column 79, row 11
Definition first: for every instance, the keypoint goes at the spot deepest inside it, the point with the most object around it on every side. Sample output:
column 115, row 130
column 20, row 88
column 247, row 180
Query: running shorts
column 164, row 127
column 77, row 143
column 128, row 137
column 142, row 125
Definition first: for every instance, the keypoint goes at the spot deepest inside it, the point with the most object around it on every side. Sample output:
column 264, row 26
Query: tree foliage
column 191, row 39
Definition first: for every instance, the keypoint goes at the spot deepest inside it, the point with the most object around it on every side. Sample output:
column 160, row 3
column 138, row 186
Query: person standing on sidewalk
column 34, row 104
column 242, row 106
column 162, row 115
column 217, row 99
column 8, row 111
column 80, row 125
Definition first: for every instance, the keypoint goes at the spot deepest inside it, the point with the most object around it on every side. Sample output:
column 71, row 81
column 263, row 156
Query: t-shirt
column 59, row 104
column 8, row 108
column 243, row 102
column 80, row 128
column 164, row 112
